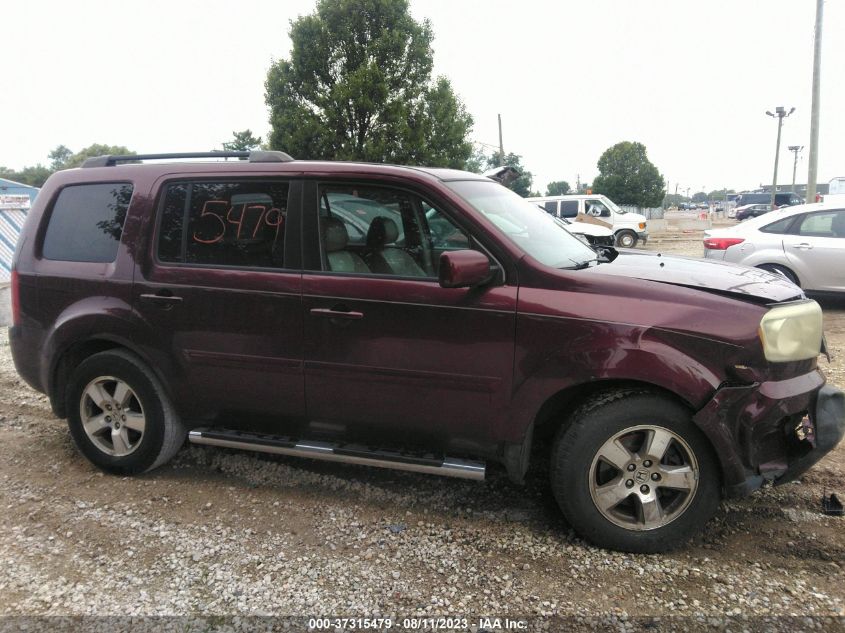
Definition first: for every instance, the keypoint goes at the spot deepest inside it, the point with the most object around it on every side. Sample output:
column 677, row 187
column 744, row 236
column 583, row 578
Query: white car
column 805, row 244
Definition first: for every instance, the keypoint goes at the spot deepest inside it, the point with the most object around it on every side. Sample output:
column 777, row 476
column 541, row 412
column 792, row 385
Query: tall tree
column 59, row 156
column 522, row 183
column 242, row 142
column 358, row 87
column 557, row 188
column 627, row 176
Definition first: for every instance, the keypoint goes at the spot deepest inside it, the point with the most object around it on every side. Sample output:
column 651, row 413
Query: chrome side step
column 346, row 453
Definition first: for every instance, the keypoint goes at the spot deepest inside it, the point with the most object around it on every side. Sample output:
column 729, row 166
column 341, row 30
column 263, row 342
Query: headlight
column 642, row 226
column 792, row 332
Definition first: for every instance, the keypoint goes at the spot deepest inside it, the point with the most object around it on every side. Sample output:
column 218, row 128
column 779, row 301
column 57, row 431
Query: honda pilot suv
column 421, row 319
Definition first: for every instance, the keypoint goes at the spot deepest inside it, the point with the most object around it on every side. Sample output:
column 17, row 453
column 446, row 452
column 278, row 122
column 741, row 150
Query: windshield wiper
column 581, row 265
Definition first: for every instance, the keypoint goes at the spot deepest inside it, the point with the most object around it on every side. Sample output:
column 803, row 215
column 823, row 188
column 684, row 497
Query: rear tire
column 632, row 472
column 626, row 239
column 120, row 416
column 781, row 270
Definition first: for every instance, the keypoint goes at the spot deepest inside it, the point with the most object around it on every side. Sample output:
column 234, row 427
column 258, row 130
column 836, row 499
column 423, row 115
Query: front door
column 387, row 350
column 221, row 294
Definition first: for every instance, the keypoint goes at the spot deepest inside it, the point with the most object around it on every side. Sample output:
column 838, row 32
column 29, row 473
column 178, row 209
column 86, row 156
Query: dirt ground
column 218, row 532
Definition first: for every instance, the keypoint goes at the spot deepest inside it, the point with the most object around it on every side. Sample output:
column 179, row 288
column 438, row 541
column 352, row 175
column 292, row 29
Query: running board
column 333, row 452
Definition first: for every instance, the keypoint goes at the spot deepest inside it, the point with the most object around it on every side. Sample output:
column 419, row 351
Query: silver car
column 805, row 244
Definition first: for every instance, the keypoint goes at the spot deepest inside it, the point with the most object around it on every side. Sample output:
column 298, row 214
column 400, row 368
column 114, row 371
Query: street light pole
column 795, row 149
column 813, row 161
column 780, row 113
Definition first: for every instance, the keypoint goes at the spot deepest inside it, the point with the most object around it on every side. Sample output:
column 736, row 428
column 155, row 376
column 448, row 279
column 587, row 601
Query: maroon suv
column 420, row 319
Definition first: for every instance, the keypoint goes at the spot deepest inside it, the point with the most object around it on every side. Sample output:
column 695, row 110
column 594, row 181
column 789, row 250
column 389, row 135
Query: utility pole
column 780, row 113
column 795, row 149
column 814, row 112
column 501, row 146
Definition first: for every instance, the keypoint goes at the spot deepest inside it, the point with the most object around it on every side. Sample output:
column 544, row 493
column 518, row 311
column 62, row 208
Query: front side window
column 86, row 223
column 597, row 208
column 231, row 223
column 384, row 231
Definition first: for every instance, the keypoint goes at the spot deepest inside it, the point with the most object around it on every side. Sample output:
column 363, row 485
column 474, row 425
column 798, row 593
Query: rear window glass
column 86, row 223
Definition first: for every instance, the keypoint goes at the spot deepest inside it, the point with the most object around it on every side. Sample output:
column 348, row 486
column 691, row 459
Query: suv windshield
column 525, row 224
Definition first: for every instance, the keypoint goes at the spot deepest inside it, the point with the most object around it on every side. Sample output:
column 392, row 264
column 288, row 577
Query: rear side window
column 224, row 223
column 550, row 207
column 781, row 226
column 569, row 208
column 86, row 223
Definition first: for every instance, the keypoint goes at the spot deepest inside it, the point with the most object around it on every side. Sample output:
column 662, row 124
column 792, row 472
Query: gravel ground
column 222, row 533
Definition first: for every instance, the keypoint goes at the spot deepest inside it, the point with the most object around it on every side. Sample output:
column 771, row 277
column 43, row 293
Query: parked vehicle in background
column 592, row 234
column 751, row 211
column 782, row 199
column 628, row 228
column 805, row 244
column 420, row 319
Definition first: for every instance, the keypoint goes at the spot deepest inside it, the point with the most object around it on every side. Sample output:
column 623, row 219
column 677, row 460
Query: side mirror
column 463, row 269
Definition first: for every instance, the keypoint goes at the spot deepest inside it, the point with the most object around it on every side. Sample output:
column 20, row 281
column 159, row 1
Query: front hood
column 632, row 217
column 589, row 229
column 710, row 276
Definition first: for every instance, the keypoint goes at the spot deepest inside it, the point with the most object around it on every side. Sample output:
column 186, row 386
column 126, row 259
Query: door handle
column 162, row 300
column 803, row 246
column 332, row 313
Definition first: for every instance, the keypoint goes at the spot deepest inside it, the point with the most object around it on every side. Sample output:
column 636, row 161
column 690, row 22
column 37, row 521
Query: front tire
column 626, row 239
column 119, row 415
column 632, row 472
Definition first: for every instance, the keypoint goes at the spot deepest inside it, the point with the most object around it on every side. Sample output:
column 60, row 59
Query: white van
column 628, row 228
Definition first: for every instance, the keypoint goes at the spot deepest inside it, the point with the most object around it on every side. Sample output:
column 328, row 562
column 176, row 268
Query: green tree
column 627, row 176
column 522, row 183
column 97, row 149
column 358, row 86
column 699, row 196
column 557, row 188
column 35, row 176
column 242, row 142
column 477, row 162
column 59, row 156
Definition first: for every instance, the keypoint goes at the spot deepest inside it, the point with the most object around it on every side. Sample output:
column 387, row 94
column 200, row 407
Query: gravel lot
column 221, row 533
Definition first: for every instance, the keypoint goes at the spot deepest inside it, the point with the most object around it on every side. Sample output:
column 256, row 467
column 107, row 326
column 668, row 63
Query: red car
column 421, row 319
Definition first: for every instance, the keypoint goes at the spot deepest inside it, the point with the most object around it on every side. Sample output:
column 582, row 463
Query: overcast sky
column 690, row 79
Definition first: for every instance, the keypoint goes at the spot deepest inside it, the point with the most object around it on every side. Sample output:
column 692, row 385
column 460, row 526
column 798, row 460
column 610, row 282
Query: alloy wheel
column 643, row 477
column 112, row 416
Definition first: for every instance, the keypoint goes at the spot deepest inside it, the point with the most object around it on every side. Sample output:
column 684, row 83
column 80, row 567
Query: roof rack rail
column 255, row 156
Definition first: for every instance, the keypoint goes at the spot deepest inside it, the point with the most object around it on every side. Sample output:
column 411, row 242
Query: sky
column 689, row 79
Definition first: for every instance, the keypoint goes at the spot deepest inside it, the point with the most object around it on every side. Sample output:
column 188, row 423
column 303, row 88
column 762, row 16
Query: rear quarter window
column 86, row 223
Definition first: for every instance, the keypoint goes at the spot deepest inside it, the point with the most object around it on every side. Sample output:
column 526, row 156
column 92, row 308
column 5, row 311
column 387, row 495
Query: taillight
column 721, row 243
column 16, row 298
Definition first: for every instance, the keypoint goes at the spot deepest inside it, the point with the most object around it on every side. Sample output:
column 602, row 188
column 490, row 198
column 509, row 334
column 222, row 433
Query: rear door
column 220, row 292
column 389, row 353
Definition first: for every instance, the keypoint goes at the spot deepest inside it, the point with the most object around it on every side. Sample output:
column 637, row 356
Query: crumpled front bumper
column 828, row 428
column 772, row 431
